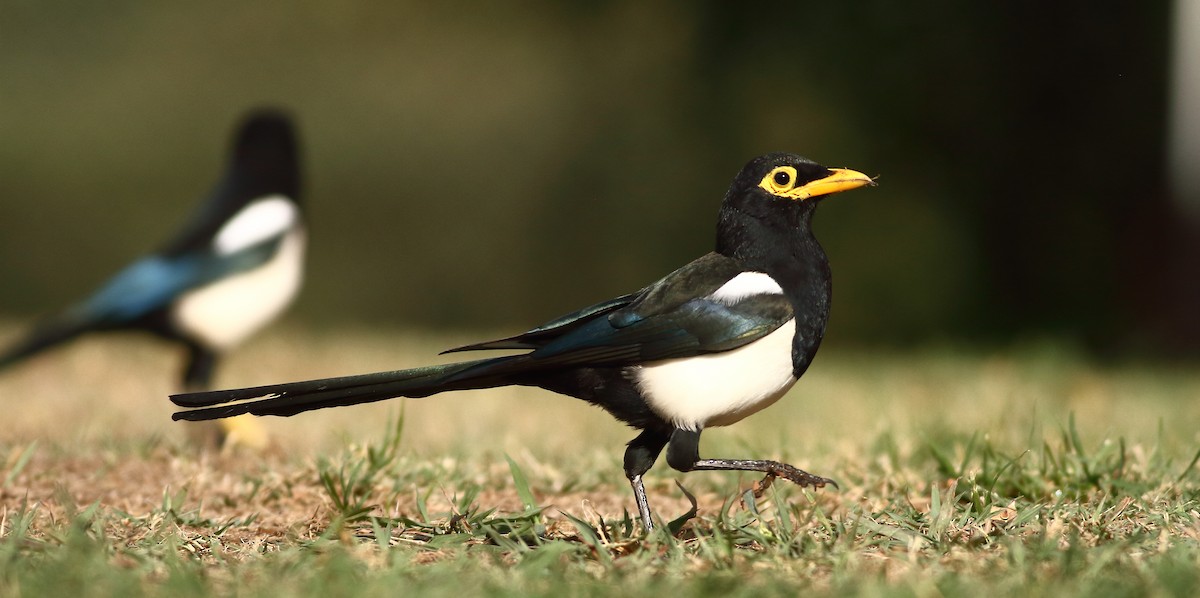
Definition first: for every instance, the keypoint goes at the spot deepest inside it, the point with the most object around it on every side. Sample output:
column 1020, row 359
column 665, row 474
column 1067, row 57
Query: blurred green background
column 493, row 165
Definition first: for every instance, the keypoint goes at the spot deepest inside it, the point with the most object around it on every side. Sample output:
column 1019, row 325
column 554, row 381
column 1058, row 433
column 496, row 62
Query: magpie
column 711, row 343
column 234, row 266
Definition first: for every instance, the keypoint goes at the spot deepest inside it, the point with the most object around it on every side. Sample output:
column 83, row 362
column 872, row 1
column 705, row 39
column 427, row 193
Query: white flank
column 745, row 285
column 224, row 313
column 255, row 223
column 722, row 388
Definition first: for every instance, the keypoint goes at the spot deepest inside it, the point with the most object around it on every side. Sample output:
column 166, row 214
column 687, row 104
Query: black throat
column 776, row 238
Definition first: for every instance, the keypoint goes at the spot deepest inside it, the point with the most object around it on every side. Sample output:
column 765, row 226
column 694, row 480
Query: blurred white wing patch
column 226, row 312
column 260, row 220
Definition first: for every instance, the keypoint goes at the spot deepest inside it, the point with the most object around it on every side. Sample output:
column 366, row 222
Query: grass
column 1022, row 472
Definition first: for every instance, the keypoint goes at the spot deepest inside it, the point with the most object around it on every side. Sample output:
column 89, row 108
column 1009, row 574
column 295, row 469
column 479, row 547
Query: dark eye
column 782, row 178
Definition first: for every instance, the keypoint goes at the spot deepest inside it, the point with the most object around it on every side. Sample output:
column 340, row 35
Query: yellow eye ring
column 780, row 180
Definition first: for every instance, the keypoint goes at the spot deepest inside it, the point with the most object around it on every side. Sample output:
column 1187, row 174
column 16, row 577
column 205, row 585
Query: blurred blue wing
column 154, row 282
column 142, row 287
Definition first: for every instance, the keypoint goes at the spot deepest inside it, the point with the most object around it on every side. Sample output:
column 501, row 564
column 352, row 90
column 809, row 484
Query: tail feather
column 218, row 397
column 296, row 397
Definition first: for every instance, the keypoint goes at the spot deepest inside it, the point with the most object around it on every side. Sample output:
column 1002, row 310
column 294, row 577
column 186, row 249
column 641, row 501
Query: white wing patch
column 745, row 285
column 720, row 388
column 255, row 223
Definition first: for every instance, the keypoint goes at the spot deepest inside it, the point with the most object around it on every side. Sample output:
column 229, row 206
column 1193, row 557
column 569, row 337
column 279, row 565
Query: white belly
column 722, row 388
column 226, row 312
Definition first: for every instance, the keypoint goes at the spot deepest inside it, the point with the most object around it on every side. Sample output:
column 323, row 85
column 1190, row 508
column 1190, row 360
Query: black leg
column 684, row 450
column 229, row 433
column 643, row 451
column 198, row 373
column 683, row 453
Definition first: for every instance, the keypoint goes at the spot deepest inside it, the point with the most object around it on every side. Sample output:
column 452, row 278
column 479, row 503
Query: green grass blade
column 521, row 483
column 1191, row 464
column 20, row 463
column 590, row 536
column 677, row 524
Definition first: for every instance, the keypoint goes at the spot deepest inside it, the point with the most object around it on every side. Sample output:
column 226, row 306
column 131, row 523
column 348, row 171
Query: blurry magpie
column 711, row 343
column 232, row 268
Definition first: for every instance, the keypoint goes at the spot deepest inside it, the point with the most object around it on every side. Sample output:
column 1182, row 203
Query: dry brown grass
column 112, row 389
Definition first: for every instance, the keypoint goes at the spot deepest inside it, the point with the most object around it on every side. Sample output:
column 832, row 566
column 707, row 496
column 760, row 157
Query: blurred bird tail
column 45, row 336
column 297, row 397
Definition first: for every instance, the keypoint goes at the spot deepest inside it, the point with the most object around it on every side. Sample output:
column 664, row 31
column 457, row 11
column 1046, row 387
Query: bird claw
column 796, row 476
column 760, row 487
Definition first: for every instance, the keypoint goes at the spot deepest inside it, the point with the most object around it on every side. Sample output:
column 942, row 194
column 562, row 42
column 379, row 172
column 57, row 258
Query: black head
column 264, row 161
column 776, row 194
column 265, row 157
column 780, row 180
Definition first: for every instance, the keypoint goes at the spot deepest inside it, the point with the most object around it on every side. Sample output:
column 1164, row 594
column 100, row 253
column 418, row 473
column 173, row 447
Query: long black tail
column 44, row 336
column 297, row 397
